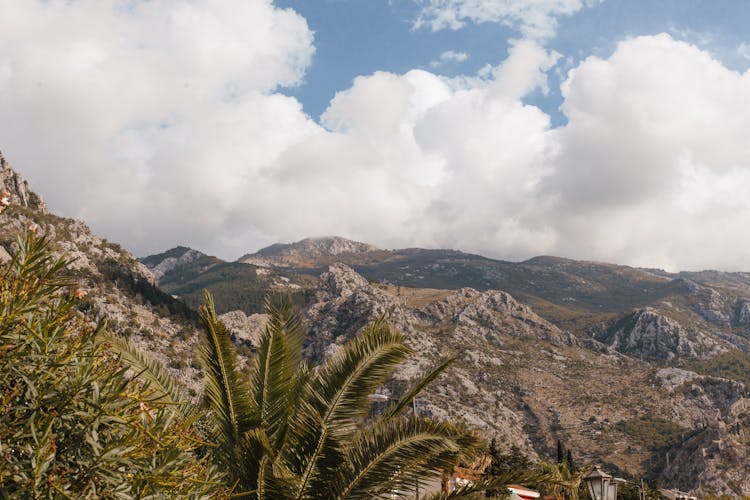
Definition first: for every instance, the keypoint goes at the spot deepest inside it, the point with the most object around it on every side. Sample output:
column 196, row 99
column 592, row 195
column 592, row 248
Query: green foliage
column 73, row 423
column 296, row 432
column 561, row 482
column 512, row 461
column 235, row 285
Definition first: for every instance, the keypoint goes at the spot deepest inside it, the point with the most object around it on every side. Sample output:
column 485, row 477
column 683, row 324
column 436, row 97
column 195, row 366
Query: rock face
column 244, row 329
column 651, row 335
column 172, row 263
column 717, row 414
column 742, row 314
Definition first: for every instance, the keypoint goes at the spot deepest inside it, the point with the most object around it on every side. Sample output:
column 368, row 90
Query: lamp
column 601, row 486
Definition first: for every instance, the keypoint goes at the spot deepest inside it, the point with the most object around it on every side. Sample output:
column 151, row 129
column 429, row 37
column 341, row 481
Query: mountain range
column 642, row 370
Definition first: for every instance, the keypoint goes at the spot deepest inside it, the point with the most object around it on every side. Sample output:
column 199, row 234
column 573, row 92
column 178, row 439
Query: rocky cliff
column 648, row 334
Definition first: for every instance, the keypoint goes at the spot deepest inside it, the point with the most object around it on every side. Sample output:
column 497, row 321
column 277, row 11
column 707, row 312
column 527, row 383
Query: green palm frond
column 419, row 385
column 149, row 370
column 391, row 454
column 347, row 380
column 226, row 392
column 274, row 370
column 341, row 390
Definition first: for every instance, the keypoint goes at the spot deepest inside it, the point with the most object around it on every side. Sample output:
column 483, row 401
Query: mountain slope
column 185, row 273
column 117, row 286
column 525, row 381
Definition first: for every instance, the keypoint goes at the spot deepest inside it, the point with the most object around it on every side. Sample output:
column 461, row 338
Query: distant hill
column 186, row 273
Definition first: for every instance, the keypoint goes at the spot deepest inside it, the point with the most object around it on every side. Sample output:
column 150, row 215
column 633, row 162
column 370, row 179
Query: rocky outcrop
column 243, row 328
column 718, row 437
column 742, row 313
column 172, row 263
column 18, row 189
column 650, row 335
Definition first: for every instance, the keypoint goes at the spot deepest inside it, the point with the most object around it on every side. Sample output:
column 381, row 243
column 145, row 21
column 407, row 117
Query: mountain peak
column 162, row 263
column 319, row 249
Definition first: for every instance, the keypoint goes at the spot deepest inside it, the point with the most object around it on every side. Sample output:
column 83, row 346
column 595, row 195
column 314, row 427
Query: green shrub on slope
column 73, row 423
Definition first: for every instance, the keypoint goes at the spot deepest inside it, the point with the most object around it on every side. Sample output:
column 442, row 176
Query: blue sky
column 611, row 130
column 359, row 37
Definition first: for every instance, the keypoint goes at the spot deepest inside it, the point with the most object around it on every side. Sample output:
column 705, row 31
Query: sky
column 609, row 130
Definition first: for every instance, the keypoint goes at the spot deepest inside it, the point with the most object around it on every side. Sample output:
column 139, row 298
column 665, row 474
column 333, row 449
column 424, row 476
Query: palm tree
column 291, row 431
column 563, row 482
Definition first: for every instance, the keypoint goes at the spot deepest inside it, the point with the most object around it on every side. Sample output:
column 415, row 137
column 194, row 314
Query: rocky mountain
column 525, row 381
column 569, row 349
column 641, row 370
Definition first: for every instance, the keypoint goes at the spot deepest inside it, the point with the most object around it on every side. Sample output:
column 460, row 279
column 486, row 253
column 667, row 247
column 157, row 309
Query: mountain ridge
column 527, row 373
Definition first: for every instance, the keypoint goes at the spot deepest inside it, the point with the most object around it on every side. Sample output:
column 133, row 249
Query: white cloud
column 448, row 57
column 150, row 119
column 161, row 125
column 744, row 50
column 536, row 19
column 655, row 163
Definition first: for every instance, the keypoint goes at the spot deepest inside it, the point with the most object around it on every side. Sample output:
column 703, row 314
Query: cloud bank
column 161, row 123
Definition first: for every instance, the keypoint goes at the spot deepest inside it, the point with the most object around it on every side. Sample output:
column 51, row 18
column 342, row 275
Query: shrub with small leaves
column 72, row 422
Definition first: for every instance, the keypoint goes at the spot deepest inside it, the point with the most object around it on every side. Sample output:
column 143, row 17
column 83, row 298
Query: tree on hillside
column 514, row 461
column 74, row 425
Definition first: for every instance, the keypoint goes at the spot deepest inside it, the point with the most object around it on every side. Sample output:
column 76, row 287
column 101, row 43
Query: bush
column 73, row 423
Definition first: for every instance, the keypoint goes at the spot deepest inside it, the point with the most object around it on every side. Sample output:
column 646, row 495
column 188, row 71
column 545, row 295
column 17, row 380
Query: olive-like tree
column 73, row 424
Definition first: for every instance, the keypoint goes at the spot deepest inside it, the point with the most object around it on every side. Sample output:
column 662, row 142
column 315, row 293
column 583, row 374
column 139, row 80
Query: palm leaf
column 393, row 453
column 340, row 395
column 274, row 370
column 346, row 381
column 149, row 370
column 225, row 391
column 419, row 385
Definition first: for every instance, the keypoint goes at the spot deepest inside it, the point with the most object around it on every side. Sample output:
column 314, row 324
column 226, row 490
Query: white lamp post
column 601, row 486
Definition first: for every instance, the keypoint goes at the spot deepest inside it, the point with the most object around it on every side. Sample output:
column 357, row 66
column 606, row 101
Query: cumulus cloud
column 150, row 119
column 160, row 123
column 535, row 19
column 655, row 159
